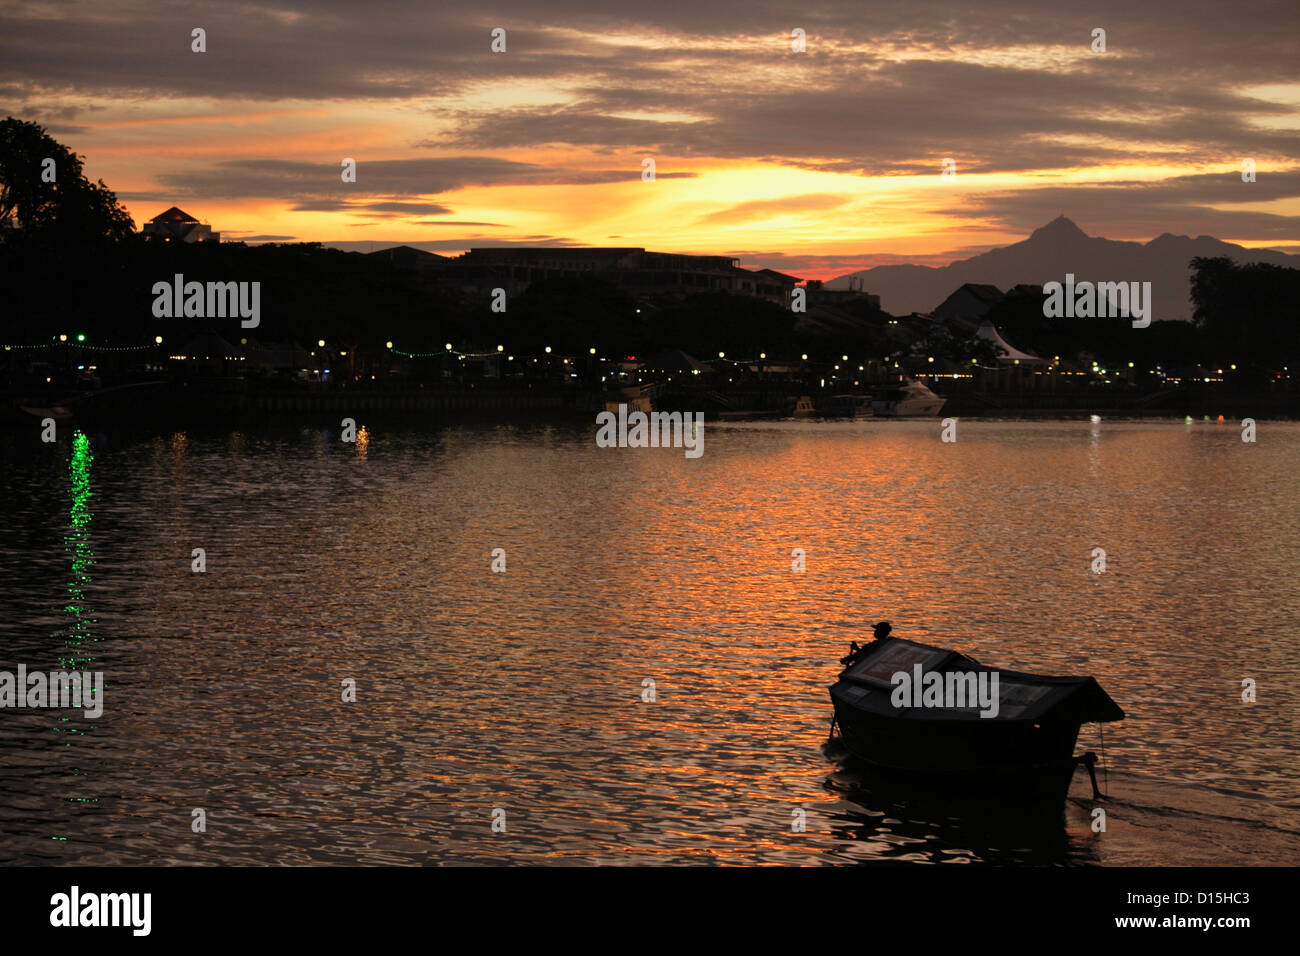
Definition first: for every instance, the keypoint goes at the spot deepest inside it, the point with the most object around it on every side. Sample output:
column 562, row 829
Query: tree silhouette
column 70, row 210
column 1248, row 313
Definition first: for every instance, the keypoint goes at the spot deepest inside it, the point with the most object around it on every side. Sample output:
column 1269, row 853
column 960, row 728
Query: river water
column 499, row 717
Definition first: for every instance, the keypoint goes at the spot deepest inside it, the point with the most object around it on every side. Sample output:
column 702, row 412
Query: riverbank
column 236, row 401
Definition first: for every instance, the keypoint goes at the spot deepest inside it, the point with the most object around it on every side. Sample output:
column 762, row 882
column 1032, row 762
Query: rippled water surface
column 523, row 690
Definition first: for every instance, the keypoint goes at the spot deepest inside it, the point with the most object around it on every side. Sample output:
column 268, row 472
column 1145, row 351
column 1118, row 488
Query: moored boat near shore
column 848, row 405
column 803, row 407
column 912, row 399
column 635, row 398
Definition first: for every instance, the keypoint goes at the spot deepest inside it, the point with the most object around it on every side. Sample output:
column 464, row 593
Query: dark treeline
column 1246, row 315
column 72, row 263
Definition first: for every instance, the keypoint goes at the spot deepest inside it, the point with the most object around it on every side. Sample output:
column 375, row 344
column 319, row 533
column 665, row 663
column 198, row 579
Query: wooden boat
column 1022, row 754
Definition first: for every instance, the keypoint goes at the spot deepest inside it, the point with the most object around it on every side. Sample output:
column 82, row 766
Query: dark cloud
column 1008, row 87
column 1168, row 80
column 391, row 209
column 454, row 245
column 319, row 186
column 1191, row 205
column 409, row 208
column 905, row 118
column 767, row 208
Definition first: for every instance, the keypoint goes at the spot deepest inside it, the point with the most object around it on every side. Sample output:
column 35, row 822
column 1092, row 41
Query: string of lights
column 500, row 351
column 82, row 345
column 397, row 351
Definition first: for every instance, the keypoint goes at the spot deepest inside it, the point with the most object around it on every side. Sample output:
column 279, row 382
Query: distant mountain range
column 1048, row 254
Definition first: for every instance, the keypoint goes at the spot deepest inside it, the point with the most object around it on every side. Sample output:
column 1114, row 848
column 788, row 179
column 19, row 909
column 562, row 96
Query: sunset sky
column 816, row 163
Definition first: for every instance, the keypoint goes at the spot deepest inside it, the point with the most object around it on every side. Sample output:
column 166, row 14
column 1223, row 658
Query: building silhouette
column 514, row 268
column 176, row 225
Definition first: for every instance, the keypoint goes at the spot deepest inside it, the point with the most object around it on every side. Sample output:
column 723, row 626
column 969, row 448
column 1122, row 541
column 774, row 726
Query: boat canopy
column 868, row 681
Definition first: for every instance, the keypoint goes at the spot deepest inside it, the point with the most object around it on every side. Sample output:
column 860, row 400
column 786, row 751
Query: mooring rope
column 1105, row 767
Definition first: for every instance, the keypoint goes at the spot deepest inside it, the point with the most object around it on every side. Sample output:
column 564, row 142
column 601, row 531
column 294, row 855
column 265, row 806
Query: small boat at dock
column 803, row 407
column 60, row 413
column 637, row 398
column 74, row 406
column 934, row 722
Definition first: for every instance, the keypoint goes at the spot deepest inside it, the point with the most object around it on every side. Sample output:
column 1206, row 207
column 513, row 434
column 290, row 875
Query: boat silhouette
column 1018, row 752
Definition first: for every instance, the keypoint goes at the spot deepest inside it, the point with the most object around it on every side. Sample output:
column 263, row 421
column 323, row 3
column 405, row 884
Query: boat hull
column 634, row 403
column 964, row 761
column 919, row 408
column 58, row 412
column 848, row 406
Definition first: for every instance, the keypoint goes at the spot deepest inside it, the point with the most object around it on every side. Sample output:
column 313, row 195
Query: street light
column 548, row 350
column 157, row 340
column 320, row 342
column 388, row 345
column 448, row 346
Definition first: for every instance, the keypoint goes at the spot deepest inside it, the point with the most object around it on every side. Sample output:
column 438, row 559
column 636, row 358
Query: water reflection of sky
column 523, row 690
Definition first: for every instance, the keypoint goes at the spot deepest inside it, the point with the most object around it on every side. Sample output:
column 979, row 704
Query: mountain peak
column 1059, row 229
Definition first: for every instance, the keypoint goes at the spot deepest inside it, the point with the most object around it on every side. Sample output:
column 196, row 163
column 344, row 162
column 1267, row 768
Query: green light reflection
column 79, row 632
